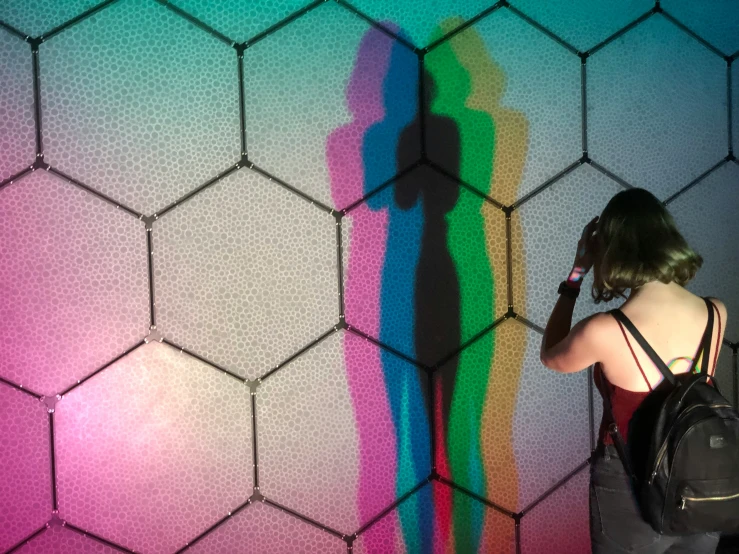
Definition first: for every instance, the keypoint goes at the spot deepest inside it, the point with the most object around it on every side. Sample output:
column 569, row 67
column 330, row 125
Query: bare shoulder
column 722, row 311
column 602, row 322
column 600, row 327
column 720, row 306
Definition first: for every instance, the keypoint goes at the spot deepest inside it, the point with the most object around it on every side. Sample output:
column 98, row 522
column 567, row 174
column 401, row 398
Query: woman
column 633, row 245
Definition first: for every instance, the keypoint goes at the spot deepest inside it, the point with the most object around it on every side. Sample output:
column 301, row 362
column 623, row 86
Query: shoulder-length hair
column 637, row 242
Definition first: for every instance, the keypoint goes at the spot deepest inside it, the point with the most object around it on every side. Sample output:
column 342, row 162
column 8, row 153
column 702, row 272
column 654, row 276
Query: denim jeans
column 616, row 525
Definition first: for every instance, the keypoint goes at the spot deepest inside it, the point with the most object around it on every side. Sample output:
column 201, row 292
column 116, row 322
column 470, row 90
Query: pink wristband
column 575, row 277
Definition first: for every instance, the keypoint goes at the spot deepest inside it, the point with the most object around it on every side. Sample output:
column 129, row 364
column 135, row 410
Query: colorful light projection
column 420, row 275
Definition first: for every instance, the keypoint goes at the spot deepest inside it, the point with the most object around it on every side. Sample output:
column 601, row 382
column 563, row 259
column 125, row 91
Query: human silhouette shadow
column 406, row 388
column 437, row 303
column 365, row 249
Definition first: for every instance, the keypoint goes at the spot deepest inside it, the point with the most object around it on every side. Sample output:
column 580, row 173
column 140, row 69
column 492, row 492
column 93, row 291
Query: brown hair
column 637, row 242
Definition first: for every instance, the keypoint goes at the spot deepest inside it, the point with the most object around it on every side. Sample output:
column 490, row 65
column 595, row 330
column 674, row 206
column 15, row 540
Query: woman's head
column 637, row 242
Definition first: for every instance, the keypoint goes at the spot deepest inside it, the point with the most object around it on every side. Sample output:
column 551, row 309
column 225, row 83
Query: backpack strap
column 633, row 354
column 707, row 336
column 718, row 342
column 664, row 370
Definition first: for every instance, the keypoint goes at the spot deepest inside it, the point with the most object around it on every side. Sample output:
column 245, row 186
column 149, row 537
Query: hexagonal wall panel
column 245, row 273
column 561, row 520
column 39, row 17
column 154, row 450
column 17, row 135
column 139, row 104
column 494, row 534
column 241, row 20
column 583, row 23
column 503, row 417
column 25, row 466
column 706, row 215
column 61, row 540
column 357, row 424
column 263, row 529
column 717, row 25
column 73, row 283
column 424, row 265
column 656, row 107
column 513, row 96
column 418, row 25
column 546, row 230
column 326, row 115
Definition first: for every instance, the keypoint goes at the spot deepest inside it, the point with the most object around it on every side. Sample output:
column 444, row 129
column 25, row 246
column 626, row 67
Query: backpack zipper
column 706, row 499
column 663, row 448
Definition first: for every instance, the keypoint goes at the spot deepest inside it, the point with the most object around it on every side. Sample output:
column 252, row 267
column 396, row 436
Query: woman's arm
column 569, row 351
column 566, row 350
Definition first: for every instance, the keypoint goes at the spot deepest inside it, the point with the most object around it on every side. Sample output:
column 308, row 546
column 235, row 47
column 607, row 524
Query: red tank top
column 625, row 402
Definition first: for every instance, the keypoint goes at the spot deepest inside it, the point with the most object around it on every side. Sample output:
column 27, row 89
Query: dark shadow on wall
column 406, row 389
column 437, row 302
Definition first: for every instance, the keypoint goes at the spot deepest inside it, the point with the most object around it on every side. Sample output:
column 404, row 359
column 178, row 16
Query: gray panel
column 546, row 230
column 529, row 426
column 432, row 267
column 418, row 25
column 514, row 94
column 496, row 534
column 245, row 273
column 139, row 104
column 310, row 454
column 310, row 103
column 551, row 423
column 656, row 107
column 707, row 217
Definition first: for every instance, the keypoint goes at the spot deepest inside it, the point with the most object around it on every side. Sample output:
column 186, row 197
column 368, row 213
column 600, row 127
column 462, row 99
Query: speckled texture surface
column 73, row 283
column 16, row 103
column 540, row 265
column 25, row 484
column 498, row 532
column 560, row 519
column 61, row 540
column 244, row 273
column 706, row 215
column 656, row 114
column 135, row 114
column 154, row 450
column 583, row 23
column 330, row 334
column 241, row 20
column 308, row 405
column 264, row 528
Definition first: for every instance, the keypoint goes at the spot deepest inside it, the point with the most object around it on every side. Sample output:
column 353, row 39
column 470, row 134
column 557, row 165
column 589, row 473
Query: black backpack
column 682, row 454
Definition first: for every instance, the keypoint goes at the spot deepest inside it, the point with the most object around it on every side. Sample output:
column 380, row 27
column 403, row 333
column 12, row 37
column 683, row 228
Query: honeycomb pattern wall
column 274, row 273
